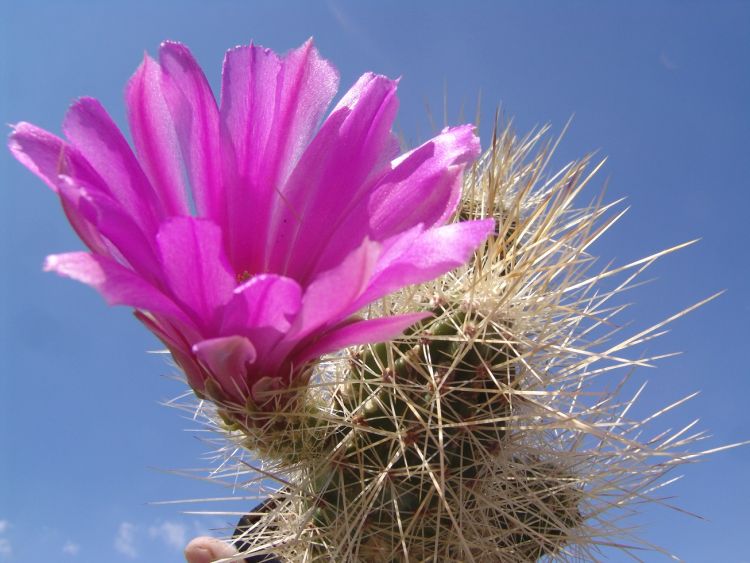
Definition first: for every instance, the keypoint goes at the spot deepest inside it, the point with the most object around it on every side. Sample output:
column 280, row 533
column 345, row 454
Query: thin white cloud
column 6, row 550
column 125, row 540
column 71, row 548
column 173, row 534
column 667, row 62
column 357, row 32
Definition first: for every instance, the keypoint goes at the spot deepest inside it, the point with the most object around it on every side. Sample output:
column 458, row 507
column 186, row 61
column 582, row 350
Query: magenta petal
column 196, row 119
column 175, row 337
column 55, row 162
column 39, row 151
column 72, row 200
column 154, row 136
column 424, row 187
column 429, row 255
column 106, row 218
column 195, row 265
column 118, row 285
column 361, row 332
column 270, row 108
column 331, row 295
column 95, row 135
column 353, row 147
column 265, row 301
column 227, row 358
column 263, row 309
column 48, row 156
column 307, row 84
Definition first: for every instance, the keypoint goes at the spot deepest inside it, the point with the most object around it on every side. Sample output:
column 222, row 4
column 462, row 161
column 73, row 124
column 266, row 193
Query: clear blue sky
column 661, row 87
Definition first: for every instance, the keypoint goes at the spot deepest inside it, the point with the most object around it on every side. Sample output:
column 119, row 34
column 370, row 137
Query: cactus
column 482, row 434
column 424, row 415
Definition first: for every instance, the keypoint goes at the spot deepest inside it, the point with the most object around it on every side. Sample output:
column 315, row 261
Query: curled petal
column 227, row 360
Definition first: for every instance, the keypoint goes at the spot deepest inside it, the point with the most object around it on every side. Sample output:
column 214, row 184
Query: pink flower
column 247, row 234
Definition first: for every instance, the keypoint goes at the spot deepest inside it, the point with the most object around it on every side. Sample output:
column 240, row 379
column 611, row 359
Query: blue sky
column 660, row 87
